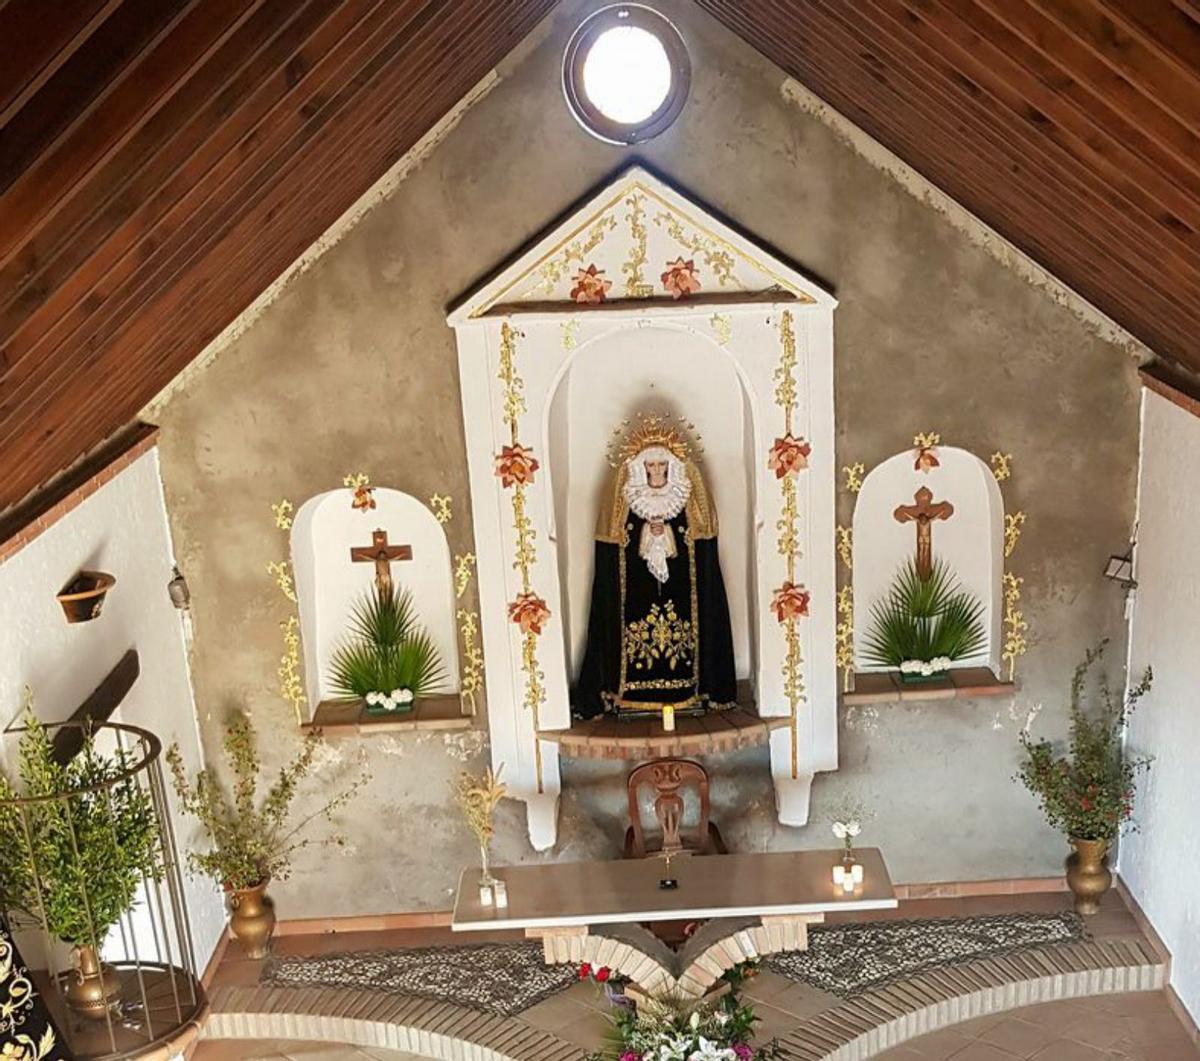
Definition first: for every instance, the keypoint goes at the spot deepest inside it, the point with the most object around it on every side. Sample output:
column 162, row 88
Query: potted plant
column 1088, row 792
column 252, row 841
column 83, row 597
column 388, row 660
column 78, row 839
column 923, row 624
column 477, row 798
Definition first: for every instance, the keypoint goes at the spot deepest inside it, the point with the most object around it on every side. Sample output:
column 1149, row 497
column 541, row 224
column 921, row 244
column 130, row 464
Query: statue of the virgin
column 658, row 629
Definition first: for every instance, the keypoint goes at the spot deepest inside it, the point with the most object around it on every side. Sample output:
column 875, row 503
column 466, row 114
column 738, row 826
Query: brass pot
column 94, row 988
column 252, row 919
column 1088, row 875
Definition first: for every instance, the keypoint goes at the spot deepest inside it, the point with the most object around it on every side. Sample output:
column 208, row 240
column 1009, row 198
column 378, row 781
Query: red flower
column 926, row 459
column 602, row 974
column 680, row 279
column 788, row 456
column 515, row 464
column 590, row 286
column 529, row 612
column 790, row 602
column 585, row 970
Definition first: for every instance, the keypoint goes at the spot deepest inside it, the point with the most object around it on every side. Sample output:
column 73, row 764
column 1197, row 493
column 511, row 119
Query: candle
column 485, row 895
column 668, row 713
column 501, row 890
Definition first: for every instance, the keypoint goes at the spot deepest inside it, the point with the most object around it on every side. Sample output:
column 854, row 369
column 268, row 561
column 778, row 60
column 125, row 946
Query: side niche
column 329, row 581
column 949, row 499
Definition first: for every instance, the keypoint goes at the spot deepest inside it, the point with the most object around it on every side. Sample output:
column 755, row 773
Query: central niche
column 678, row 372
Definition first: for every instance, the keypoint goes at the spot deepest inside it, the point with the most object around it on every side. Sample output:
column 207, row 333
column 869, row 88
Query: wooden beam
column 98, row 707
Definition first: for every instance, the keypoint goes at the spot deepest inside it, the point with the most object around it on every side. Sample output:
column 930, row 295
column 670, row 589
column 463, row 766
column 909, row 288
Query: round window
column 626, row 73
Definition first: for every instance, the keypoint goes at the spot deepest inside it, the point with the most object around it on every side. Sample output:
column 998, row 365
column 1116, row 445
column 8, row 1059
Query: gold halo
column 676, row 434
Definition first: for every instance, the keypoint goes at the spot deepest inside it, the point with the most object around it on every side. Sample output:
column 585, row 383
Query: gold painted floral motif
column 472, row 669
column 722, row 326
column 281, row 571
column 635, row 285
column 1013, row 522
column 854, row 476
column 442, row 512
column 364, row 492
column 514, row 386
column 570, row 335
column 1002, row 466
column 591, row 287
column 661, row 635
column 720, row 262
column 844, row 635
column 291, row 688
column 554, row 270
column 788, row 456
column 845, row 546
column 515, row 464
column 1014, row 623
column 464, row 564
column 283, row 514
column 680, row 279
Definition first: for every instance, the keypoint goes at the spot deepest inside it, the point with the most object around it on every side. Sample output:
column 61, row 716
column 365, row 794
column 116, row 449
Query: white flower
column 926, row 669
column 840, row 830
column 910, row 666
column 694, row 1023
column 373, row 698
column 853, row 828
column 710, row 1051
column 941, row 663
column 403, row 696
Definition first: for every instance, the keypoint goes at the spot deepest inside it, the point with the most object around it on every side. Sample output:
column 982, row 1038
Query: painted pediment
column 637, row 242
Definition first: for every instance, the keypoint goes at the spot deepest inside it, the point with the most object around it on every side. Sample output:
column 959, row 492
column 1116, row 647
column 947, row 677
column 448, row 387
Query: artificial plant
column 926, row 620
column 77, row 851
column 252, row 840
column 1088, row 792
column 388, row 658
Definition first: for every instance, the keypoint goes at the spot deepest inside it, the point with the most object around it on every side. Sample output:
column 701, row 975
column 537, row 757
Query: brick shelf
column 614, row 738
column 337, row 718
column 969, row 683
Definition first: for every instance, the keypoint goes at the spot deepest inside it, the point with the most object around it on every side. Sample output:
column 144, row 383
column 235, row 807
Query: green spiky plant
column 77, row 860
column 387, row 649
column 924, row 619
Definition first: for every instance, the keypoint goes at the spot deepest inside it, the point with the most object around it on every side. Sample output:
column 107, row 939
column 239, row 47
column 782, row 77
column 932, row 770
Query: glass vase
column 486, row 876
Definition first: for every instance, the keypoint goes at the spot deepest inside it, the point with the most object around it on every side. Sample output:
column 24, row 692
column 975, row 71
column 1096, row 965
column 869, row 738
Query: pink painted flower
column 680, row 279
column 590, row 286
column 790, row 602
column 515, row 464
column 926, row 459
column 529, row 612
column 788, row 456
column 364, row 498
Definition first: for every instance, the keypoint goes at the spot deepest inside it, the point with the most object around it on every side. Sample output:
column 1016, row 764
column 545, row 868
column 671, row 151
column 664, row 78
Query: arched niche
column 971, row 541
column 328, row 582
column 659, row 367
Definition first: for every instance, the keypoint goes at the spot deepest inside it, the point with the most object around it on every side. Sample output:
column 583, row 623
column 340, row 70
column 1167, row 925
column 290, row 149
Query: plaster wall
column 353, row 368
column 121, row 529
column 1159, row 862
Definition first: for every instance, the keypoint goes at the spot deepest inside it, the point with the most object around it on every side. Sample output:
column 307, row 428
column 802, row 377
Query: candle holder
column 848, row 874
column 666, row 882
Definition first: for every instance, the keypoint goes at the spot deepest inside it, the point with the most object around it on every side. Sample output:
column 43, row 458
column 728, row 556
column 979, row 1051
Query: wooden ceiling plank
column 459, row 75
column 27, row 373
column 1090, row 72
column 1141, row 65
column 1046, row 114
column 218, row 138
column 38, row 191
column 36, row 38
column 1088, row 270
column 1173, row 33
column 87, row 77
column 990, row 127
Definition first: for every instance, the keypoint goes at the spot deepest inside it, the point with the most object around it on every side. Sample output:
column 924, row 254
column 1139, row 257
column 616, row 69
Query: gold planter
column 94, row 988
column 252, row 919
column 1088, row 875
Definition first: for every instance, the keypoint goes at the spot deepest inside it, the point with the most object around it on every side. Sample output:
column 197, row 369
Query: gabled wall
column 1160, row 862
column 353, row 368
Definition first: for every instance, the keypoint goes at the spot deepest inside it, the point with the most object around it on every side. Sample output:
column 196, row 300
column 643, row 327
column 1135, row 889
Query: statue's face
column 656, row 473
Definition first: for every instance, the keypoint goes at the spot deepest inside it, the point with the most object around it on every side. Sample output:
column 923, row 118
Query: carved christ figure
column 658, row 628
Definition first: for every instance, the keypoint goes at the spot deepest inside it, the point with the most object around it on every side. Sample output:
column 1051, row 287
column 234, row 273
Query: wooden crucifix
column 382, row 555
column 923, row 514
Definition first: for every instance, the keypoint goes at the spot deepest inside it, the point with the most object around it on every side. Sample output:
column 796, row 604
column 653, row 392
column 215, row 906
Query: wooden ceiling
column 163, row 161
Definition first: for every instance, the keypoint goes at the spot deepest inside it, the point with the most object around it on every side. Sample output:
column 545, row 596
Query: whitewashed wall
column 122, row 529
column 1161, row 862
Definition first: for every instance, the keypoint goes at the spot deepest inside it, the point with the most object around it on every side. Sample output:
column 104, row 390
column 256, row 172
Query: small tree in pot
column 253, row 841
column 1088, row 793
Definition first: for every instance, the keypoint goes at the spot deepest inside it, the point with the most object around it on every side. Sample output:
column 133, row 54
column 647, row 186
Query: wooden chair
column 667, row 777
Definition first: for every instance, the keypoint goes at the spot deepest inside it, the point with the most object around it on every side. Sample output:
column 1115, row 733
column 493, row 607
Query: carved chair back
column 667, row 777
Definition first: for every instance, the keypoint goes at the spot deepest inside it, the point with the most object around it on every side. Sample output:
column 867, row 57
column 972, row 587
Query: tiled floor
column 1138, row 1027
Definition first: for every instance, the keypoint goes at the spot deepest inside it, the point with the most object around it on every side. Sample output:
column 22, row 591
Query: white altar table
column 756, row 904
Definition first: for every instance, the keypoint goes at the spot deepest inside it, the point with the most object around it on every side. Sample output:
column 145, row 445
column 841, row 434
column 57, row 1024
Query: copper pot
column 94, row 988
column 1088, row 875
column 252, row 918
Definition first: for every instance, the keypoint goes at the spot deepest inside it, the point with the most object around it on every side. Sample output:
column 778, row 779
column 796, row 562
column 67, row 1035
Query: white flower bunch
column 845, row 829
column 391, row 701
column 925, row 667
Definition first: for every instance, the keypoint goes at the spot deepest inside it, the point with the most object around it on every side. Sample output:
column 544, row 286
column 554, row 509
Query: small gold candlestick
column 668, row 718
